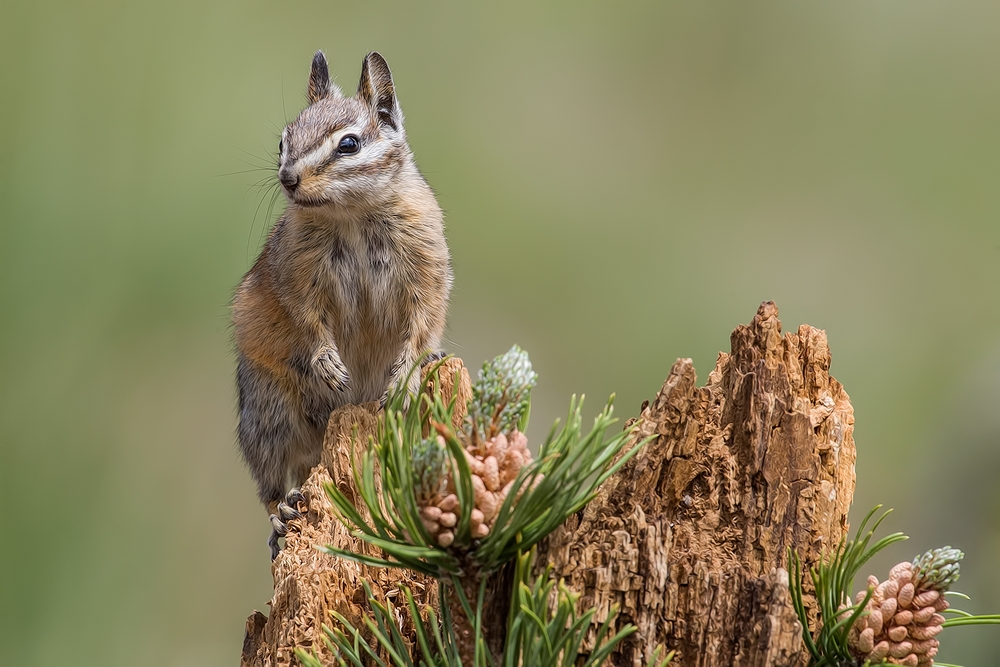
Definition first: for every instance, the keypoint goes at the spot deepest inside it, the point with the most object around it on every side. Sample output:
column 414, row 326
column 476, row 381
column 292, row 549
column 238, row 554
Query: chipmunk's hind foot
column 287, row 511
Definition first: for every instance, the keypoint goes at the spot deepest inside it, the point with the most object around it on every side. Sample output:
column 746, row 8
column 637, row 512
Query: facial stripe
column 316, row 156
column 326, row 151
column 379, row 160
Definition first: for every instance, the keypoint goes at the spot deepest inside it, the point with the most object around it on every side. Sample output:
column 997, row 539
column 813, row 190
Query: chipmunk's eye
column 281, row 146
column 348, row 144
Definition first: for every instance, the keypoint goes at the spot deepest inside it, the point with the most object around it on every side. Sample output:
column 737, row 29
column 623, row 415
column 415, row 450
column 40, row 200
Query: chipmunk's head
column 344, row 151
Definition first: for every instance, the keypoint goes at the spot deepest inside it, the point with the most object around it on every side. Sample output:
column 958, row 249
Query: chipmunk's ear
column 376, row 90
column 320, row 85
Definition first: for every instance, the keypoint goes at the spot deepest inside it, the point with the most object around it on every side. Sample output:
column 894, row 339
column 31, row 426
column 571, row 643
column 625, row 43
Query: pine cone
column 494, row 465
column 904, row 613
column 495, row 451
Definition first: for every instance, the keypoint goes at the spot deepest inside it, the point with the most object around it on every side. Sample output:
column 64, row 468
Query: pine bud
column 937, row 569
column 430, row 469
column 500, row 396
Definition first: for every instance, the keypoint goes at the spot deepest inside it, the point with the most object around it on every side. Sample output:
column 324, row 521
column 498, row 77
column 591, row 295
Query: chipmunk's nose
column 289, row 179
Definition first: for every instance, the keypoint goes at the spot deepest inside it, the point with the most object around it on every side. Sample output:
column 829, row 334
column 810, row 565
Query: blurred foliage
column 676, row 163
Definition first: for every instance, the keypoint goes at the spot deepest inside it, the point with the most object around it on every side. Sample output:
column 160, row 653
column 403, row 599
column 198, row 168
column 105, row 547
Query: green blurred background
column 624, row 183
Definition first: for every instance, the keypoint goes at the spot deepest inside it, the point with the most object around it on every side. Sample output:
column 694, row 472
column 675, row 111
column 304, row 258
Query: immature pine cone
column 904, row 612
column 494, row 466
column 500, row 397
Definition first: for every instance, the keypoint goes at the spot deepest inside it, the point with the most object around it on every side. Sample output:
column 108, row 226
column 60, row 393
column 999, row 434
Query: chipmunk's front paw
column 287, row 511
column 332, row 369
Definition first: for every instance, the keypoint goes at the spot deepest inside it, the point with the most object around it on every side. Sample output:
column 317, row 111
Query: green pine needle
column 539, row 633
column 543, row 636
column 833, row 580
column 565, row 477
column 570, row 468
column 411, row 466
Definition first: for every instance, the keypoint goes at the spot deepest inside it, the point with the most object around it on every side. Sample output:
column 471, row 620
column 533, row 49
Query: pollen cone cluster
column 495, row 465
column 905, row 611
column 493, row 446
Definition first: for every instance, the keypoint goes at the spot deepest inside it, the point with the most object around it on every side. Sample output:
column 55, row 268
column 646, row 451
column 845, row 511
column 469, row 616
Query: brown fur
column 351, row 288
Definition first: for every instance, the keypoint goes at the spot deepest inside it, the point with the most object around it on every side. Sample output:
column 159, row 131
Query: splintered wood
column 690, row 538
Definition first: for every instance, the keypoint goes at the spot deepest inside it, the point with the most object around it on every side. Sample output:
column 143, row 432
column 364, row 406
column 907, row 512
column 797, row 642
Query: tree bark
column 689, row 539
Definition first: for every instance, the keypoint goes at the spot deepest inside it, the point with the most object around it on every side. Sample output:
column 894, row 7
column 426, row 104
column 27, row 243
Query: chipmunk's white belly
column 371, row 334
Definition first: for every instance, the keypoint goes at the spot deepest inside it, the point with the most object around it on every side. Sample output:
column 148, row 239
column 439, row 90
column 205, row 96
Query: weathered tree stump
column 689, row 538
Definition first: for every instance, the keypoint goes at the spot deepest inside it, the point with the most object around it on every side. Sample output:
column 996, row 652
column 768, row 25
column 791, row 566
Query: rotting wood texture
column 689, row 539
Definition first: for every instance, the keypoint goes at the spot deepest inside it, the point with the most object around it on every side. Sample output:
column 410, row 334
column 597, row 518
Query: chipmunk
column 351, row 287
